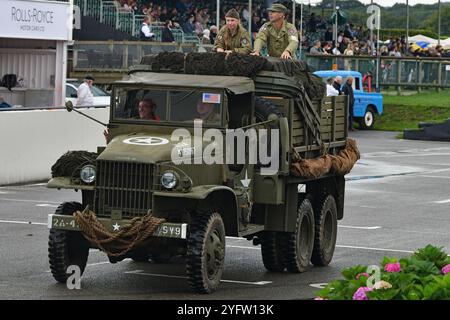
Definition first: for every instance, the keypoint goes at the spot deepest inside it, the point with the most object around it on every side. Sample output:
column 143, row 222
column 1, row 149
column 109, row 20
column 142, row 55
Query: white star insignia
column 116, row 227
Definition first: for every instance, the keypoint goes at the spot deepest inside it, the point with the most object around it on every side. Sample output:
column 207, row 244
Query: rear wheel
column 205, row 252
column 300, row 243
column 67, row 248
column 368, row 121
column 326, row 230
column 272, row 244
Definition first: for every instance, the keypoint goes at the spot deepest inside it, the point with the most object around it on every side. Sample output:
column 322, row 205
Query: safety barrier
column 402, row 72
column 32, row 140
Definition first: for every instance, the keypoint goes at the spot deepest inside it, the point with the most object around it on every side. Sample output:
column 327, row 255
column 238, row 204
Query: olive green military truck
column 193, row 205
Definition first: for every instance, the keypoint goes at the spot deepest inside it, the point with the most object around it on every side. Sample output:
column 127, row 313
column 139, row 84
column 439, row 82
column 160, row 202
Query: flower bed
column 425, row 275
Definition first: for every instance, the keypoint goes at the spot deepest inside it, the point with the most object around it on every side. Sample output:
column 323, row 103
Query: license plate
column 165, row 230
column 171, row 230
column 62, row 223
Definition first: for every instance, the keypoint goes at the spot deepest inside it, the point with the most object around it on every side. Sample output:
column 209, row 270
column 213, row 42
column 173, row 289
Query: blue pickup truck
column 367, row 104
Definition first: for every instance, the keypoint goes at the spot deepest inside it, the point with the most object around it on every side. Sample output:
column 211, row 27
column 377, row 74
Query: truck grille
column 123, row 186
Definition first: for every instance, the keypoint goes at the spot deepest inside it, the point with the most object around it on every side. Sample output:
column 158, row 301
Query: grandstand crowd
column 198, row 17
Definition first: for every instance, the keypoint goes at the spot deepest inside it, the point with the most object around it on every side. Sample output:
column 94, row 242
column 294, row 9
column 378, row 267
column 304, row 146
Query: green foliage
column 432, row 254
column 423, row 17
column 420, row 278
column 405, row 112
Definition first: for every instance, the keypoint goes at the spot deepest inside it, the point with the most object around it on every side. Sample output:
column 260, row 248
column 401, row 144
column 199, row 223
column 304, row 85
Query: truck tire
column 272, row 251
column 326, row 230
column 205, row 252
column 300, row 243
column 368, row 121
column 67, row 248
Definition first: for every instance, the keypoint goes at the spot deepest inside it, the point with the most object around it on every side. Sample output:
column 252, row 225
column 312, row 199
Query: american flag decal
column 211, row 98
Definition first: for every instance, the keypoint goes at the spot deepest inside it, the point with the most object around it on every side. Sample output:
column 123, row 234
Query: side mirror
column 69, row 106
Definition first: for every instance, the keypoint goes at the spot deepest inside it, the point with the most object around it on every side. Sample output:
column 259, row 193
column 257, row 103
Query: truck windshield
column 159, row 105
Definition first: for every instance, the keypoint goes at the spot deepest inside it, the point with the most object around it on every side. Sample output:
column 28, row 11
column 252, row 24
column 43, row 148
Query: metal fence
column 415, row 73
column 109, row 13
column 116, row 56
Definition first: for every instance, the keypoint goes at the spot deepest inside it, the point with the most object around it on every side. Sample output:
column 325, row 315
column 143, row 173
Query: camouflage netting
column 244, row 65
column 166, row 61
column 340, row 164
column 300, row 71
column 69, row 163
column 235, row 64
column 119, row 243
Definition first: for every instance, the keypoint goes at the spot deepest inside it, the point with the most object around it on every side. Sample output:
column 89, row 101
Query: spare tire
column 264, row 108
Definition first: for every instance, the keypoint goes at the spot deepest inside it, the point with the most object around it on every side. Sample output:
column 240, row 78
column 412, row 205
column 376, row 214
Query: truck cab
column 367, row 104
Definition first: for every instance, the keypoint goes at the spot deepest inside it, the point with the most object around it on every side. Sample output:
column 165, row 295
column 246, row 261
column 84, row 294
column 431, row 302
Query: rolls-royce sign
column 27, row 19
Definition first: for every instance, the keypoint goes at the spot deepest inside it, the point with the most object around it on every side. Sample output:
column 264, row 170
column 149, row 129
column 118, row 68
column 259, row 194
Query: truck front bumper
column 164, row 230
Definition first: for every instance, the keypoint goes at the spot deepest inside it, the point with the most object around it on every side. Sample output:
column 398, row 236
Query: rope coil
column 116, row 244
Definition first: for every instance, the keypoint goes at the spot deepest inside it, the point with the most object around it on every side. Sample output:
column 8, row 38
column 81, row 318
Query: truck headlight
column 87, row 174
column 169, row 180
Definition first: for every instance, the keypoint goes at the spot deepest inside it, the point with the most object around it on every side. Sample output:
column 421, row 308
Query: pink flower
column 362, row 275
column 392, row 267
column 320, row 298
column 446, row 269
column 360, row 294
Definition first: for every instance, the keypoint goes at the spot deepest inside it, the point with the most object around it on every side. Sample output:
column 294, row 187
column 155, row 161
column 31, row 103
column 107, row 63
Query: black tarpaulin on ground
column 431, row 132
column 235, row 64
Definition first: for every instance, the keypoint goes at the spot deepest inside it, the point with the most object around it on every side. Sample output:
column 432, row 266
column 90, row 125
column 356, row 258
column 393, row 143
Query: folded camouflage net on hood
column 235, row 64
column 340, row 164
column 70, row 163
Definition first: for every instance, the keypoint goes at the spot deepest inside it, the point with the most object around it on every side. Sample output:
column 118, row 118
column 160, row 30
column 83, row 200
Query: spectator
column 329, row 34
column 145, row 33
column 189, row 26
column 331, row 91
column 337, row 84
column 85, row 98
column 167, row 35
column 206, row 39
column 317, row 48
column 213, row 34
column 4, row 104
column 312, row 25
column 348, row 91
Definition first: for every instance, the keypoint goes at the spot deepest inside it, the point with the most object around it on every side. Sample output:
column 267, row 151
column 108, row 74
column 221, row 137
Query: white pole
column 250, row 19
column 218, row 14
column 439, row 22
column 301, row 28
column 293, row 13
column 378, row 51
column 372, row 45
column 335, row 27
column 407, row 23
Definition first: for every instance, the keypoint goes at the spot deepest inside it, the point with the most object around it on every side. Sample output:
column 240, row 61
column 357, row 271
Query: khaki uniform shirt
column 277, row 41
column 212, row 118
column 239, row 42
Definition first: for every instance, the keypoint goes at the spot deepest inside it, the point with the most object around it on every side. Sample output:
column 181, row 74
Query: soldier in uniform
column 280, row 37
column 233, row 37
column 206, row 113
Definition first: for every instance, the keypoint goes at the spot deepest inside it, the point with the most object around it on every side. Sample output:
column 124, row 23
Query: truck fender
column 205, row 198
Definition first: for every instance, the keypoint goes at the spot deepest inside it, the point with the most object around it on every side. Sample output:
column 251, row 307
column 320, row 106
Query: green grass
column 405, row 112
